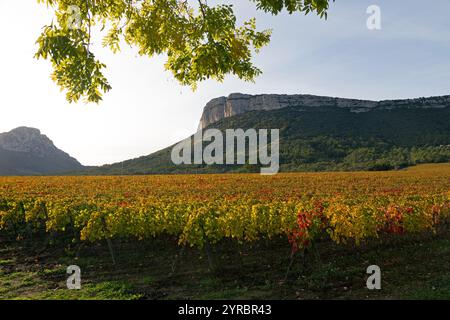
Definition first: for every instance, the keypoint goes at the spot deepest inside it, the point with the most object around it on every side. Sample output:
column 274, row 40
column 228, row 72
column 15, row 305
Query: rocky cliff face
column 238, row 103
column 25, row 139
column 25, row 151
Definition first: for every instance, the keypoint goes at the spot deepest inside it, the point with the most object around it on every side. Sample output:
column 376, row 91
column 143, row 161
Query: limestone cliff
column 238, row 103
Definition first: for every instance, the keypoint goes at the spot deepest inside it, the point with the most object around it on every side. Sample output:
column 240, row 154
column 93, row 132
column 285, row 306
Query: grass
column 417, row 267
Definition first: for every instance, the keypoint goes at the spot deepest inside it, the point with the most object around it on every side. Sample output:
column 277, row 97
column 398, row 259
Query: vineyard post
column 239, row 255
column 209, row 255
column 109, row 242
column 80, row 247
column 302, row 261
column 50, row 234
column 291, row 261
column 316, row 252
column 208, row 249
column 111, row 251
column 177, row 257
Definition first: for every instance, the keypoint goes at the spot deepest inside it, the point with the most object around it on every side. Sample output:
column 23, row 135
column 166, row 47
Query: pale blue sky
column 147, row 110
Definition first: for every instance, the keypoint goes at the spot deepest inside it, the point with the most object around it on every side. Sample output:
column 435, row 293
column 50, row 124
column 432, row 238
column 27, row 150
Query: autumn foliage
column 200, row 209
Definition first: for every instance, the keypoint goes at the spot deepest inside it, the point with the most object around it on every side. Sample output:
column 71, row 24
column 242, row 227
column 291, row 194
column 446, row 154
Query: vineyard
column 201, row 210
column 227, row 236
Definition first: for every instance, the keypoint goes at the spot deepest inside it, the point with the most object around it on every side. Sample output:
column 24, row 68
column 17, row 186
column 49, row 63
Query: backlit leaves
column 200, row 41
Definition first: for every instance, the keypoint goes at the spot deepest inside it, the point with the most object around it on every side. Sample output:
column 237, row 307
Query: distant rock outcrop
column 25, row 151
column 238, row 103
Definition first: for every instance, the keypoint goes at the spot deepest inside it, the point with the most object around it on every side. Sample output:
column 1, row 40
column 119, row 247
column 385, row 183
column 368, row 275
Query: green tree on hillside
column 200, row 41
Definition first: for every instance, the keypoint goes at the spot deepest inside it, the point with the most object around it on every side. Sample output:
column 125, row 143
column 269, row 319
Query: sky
column 148, row 110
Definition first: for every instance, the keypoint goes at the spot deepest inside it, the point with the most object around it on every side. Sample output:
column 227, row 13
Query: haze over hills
column 321, row 133
column 25, row 151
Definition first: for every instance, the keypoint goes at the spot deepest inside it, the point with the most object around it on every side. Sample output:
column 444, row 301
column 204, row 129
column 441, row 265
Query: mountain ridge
column 317, row 134
column 238, row 103
column 388, row 135
column 26, row 151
